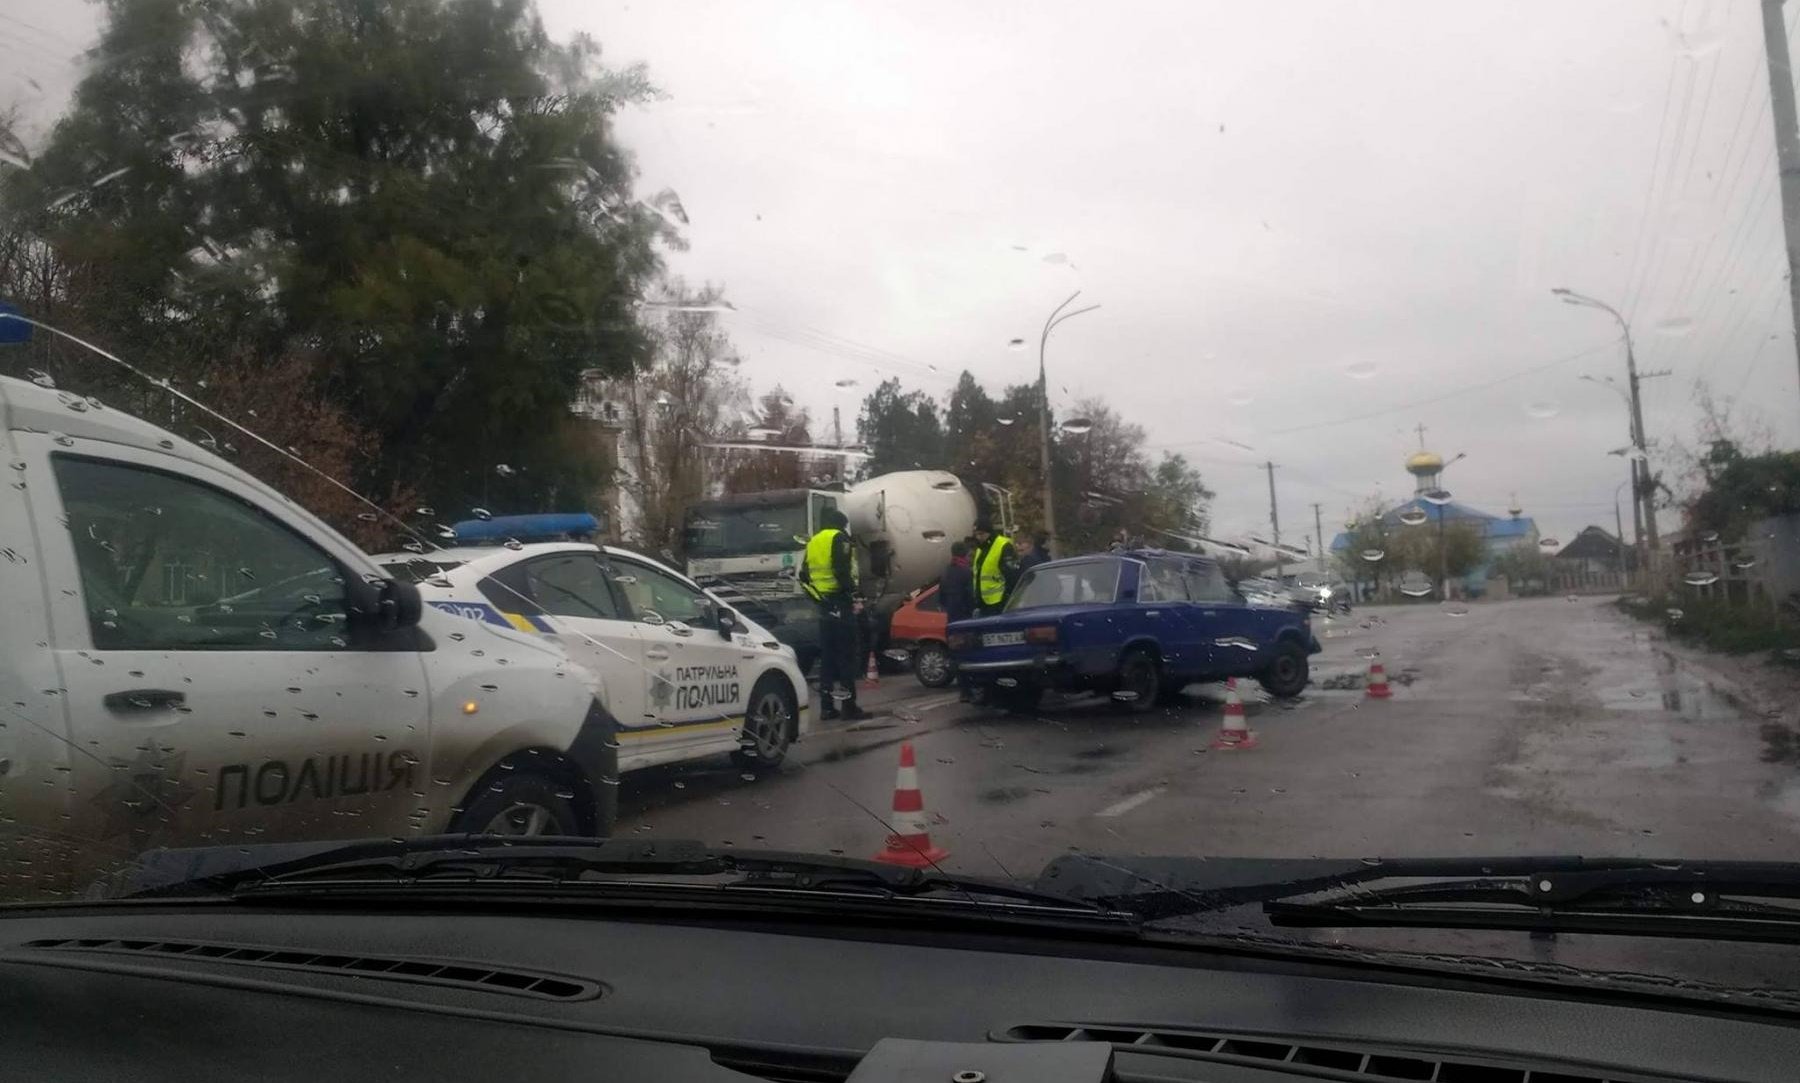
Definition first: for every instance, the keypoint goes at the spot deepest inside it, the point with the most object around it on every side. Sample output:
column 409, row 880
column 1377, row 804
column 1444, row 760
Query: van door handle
column 143, row 699
column 657, row 654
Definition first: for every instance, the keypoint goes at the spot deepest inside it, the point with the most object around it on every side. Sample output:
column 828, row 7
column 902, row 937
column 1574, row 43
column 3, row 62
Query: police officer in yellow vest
column 828, row 575
column 996, row 567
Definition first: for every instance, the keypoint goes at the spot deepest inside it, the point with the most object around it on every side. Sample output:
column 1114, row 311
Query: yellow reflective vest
column 821, row 577
column 990, row 580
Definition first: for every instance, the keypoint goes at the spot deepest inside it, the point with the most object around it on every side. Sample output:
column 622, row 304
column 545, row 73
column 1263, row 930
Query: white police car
column 685, row 675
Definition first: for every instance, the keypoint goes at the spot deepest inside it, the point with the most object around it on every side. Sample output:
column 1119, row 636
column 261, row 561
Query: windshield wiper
column 495, row 865
column 1718, row 900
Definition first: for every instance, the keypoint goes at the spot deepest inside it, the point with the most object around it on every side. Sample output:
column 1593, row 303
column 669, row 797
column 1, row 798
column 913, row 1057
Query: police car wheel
column 768, row 724
column 522, row 804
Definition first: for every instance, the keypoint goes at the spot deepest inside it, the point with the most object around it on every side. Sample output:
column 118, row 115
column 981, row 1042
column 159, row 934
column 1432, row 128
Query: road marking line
column 1120, row 808
column 933, row 704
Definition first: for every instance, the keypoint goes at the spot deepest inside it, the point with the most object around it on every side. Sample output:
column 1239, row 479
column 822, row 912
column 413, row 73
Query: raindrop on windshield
column 503, row 470
column 1675, row 326
column 513, row 544
column 427, row 512
column 1673, row 614
column 1700, row 579
column 1008, row 682
column 1075, row 426
column 1015, row 344
column 1361, row 370
column 1413, row 516
column 1124, row 695
column 846, row 383
column 1549, row 543
column 1745, row 564
column 481, row 513
column 1415, row 588
column 1439, row 497
column 1005, row 420
column 41, row 378
column 1373, row 555
column 1710, row 536
column 1239, row 642
column 1056, row 257
column 1542, row 409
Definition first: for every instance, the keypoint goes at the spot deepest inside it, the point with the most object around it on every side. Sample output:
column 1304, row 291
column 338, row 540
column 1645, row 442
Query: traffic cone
column 910, row 845
column 872, row 678
column 1377, row 684
column 1234, row 732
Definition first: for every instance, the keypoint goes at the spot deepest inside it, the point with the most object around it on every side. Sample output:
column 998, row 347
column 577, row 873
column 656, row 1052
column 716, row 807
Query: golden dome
column 1424, row 462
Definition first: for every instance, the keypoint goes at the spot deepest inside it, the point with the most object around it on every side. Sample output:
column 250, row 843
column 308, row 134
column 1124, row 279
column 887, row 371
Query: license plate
column 1002, row 639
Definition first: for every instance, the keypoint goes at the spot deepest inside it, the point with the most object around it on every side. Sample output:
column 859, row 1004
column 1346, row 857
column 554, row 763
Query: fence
column 1762, row 568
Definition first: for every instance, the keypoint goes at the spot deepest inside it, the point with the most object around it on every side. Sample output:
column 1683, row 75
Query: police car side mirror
column 727, row 621
column 401, row 605
column 383, row 605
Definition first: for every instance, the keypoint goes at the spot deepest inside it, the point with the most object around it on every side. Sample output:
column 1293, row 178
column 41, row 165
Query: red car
column 918, row 628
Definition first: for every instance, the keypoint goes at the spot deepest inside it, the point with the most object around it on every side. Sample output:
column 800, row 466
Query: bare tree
column 681, row 403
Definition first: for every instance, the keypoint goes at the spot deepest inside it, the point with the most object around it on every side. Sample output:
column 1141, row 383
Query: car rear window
column 419, row 569
column 1080, row 582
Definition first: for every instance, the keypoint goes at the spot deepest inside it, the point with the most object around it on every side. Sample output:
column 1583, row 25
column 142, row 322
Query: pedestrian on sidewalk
column 956, row 596
column 828, row 575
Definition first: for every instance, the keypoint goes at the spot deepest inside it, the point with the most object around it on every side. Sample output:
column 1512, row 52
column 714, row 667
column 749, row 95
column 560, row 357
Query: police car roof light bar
column 553, row 526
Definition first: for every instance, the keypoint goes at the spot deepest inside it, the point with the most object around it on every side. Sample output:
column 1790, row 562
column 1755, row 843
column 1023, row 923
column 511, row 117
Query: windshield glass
column 1402, row 398
column 722, row 530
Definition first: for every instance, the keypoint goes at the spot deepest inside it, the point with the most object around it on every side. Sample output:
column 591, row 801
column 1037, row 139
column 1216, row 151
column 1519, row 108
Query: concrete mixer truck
column 747, row 548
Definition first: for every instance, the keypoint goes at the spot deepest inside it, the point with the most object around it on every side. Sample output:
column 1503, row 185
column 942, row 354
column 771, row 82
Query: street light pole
column 1637, row 508
column 1619, row 525
column 1056, row 316
column 1644, row 488
column 1444, row 553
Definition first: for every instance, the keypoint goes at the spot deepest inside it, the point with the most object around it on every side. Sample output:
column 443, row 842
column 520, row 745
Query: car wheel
column 521, row 803
column 1139, row 684
column 1287, row 673
column 932, row 665
column 768, row 724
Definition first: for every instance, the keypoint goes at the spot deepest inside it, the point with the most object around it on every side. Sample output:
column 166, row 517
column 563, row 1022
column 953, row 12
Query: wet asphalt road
column 1525, row 727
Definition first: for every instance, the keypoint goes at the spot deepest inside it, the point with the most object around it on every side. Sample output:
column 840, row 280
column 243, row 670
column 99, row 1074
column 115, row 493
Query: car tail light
column 1042, row 633
column 960, row 641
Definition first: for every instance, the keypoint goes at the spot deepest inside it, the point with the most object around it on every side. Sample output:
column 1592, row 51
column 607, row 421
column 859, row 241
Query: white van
column 189, row 658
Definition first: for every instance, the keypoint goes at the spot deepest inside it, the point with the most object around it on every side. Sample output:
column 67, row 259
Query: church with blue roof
column 1498, row 532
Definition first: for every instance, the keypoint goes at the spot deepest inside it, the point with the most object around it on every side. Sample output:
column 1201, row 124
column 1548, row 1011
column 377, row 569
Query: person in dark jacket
column 956, row 596
column 1035, row 550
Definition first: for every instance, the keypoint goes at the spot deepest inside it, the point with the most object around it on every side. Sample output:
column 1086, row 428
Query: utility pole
column 1787, row 148
column 837, row 440
column 1274, row 518
column 1319, row 533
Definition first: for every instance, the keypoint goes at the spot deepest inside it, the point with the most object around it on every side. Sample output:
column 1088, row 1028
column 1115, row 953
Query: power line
column 1398, row 407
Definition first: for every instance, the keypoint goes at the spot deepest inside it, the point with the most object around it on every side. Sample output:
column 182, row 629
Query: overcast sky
column 1298, row 218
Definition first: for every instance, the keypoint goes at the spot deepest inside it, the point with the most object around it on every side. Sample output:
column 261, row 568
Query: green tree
column 777, row 421
column 1524, row 567
column 901, row 429
column 424, row 200
column 1741, row 489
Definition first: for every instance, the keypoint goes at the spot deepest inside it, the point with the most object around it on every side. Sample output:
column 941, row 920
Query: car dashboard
column 194, row 991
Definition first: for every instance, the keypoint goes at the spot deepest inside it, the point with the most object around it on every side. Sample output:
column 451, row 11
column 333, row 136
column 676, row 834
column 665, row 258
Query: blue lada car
column 1137, row 625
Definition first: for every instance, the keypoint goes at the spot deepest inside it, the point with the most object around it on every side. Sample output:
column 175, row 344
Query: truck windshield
column 1078, row 582
column 722, row 530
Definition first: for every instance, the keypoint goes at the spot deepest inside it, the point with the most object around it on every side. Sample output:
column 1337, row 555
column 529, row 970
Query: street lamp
column 1619, row 525
column 1637, row 509
column 1643, row 492
column 1057, row 316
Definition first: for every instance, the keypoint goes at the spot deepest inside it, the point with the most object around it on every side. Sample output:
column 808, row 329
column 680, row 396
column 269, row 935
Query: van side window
column 170, row 564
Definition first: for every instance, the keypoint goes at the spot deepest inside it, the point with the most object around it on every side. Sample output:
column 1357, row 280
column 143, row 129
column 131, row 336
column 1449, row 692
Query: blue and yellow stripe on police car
column 488, row 614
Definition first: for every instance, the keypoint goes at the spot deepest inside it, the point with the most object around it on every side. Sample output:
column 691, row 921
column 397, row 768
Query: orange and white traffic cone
column 1234, row 731
column 910, row 845
column 872, row 678
column 1378, row 685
